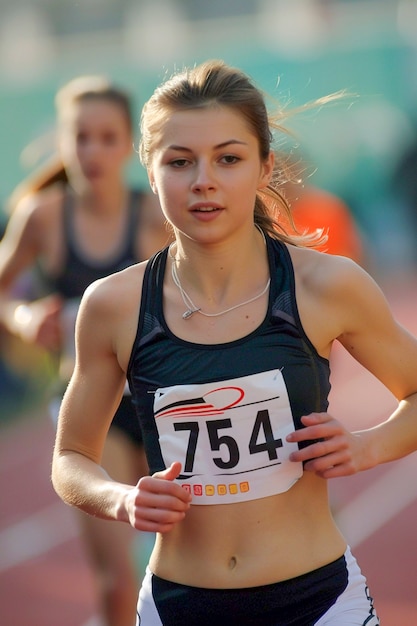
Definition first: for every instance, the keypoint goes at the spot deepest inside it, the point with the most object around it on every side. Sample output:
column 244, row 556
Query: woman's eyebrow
column 224, row 144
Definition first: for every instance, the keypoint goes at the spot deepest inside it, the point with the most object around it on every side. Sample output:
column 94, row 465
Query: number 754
column 261, row 440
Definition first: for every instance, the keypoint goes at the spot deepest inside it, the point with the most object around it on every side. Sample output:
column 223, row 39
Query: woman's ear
column 267, row 169
column 152, row 182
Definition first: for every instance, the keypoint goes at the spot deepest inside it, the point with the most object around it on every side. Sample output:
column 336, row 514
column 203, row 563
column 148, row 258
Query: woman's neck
column 219, row 277
column 109, row 200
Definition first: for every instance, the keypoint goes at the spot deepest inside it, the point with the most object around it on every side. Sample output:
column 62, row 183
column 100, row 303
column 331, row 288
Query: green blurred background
column 296, row 50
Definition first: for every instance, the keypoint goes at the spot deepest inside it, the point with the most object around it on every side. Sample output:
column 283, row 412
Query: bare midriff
column 253, row 543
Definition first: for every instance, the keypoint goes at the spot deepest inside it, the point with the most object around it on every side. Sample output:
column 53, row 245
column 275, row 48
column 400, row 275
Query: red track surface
column 45, row 579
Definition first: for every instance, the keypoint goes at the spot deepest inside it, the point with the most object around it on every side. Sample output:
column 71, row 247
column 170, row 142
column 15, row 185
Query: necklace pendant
column 189, row 303
column 188, row 313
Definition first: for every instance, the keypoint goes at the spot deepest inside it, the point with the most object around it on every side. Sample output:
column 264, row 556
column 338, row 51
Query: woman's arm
column 36, row 322
column 357, row 308
column 88, row 406
column 21, row 243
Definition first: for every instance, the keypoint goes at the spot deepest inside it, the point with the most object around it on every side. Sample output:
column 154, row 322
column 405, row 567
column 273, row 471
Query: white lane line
column 36, row 534
column 376, row 505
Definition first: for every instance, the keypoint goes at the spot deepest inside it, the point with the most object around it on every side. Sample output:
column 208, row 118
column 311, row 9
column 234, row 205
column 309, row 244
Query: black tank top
column 232, row 402
column 79, row 271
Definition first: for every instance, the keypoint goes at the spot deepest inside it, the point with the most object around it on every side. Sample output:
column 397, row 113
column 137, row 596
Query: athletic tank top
column 78, row 270
column 224, row 410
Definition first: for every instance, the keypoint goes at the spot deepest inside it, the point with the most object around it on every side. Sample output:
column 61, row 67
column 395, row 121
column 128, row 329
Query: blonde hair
column 215, row 83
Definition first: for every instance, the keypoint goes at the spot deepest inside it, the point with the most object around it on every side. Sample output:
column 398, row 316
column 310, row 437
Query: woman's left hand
column 334, row 452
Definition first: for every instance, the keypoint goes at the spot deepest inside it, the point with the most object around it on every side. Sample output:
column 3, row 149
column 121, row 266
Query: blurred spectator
column 314, row 209
column 76, row 220
column 317, row 208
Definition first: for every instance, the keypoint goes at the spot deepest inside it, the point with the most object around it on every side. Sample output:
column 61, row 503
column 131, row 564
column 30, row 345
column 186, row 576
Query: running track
column 44, row 577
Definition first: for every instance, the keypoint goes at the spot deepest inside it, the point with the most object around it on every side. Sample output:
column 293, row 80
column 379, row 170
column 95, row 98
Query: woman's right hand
column 39, row 322
column 157, row 503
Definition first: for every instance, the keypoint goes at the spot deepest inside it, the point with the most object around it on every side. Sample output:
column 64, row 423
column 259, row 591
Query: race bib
column 229, row 437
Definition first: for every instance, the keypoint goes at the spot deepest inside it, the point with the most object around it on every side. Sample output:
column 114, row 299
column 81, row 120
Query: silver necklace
column 191, row 307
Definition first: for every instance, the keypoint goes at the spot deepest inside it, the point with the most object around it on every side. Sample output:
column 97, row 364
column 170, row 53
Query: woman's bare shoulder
column 334, row 296
column 110, row 310
column 117, row 289
column 41, row 202
column 32, row 229
column 327, row 274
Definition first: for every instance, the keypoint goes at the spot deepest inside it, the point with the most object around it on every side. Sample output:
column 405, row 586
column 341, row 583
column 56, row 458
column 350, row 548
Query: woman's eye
column 109, row 139
column 230, row 159
column 82, row 139
column 179, row 163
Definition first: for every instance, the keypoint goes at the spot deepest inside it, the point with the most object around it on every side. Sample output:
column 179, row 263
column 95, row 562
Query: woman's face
column 206, row 170
column 95, row 142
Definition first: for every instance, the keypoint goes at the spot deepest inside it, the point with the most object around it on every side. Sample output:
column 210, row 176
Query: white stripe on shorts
column 354, row 607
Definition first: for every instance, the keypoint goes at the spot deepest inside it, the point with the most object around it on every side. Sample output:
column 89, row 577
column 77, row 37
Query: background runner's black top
column 159, row 359
column 78, row 270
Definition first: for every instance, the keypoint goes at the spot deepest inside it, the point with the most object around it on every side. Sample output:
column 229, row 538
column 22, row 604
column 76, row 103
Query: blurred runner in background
column 76, row 220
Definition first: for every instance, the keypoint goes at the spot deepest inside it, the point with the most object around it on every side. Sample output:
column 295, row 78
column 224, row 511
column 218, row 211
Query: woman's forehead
column 90, row 107
column 214, row 124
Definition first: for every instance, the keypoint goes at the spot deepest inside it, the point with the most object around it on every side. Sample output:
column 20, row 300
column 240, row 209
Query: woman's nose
column 203, row 180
